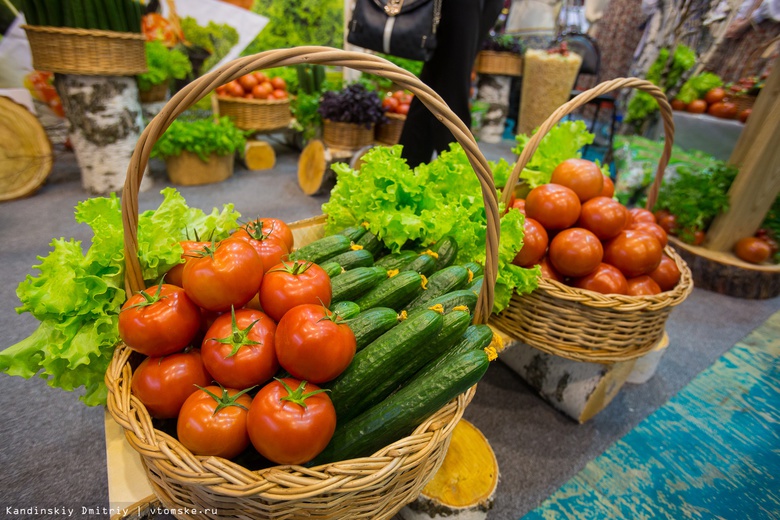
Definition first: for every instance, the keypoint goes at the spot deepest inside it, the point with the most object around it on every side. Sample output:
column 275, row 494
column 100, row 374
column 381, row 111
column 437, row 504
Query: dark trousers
column 464, row 25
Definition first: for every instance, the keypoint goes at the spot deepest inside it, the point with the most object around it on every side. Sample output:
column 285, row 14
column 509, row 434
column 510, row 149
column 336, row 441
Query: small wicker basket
column 261, row 115
column 390, row 132
column 155, row 94
column 347, row 136
column 373, row 487
column 87, row 52
column 584, row 325
column 741, row 102
column 499, row 63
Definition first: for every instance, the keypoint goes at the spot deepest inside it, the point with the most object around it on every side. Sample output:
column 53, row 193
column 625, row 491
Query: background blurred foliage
column 304, row 22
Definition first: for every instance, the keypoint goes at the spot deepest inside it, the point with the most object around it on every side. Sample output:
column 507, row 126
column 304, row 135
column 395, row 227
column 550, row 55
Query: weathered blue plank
column 711, row 452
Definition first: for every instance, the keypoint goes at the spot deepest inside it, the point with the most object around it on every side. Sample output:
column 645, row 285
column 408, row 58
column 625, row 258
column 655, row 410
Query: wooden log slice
column 315, row 175
column 464, row 486
column 724, row 273
column 25, row 151
column 259, row 155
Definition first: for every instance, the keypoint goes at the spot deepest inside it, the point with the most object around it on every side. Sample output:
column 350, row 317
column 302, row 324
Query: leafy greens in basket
column 406, row 207
column 77, row 296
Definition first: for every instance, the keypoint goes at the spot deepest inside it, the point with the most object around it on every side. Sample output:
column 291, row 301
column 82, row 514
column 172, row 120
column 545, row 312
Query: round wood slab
column 25, row 151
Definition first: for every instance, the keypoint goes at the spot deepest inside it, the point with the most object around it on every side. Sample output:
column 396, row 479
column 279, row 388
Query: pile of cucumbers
column 411, row 314
column 107, row 15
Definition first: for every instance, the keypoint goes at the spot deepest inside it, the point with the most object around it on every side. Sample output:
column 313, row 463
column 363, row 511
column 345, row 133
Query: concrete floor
column 53, row 450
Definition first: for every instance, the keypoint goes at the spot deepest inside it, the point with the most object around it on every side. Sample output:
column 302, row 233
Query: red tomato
column 290, row 284
column 227, row 275
column 279, row 94
column 606, row 279
column 278, row 83
column 235, row 89
column 390, row 104
column 212, row 421
column 548, row 271
column 641, row 215
column 262, row 91
column 248, row 82
column 715, row 95
column 239, row 351
column 174, row 275
column 723, row 110
column 667, row 274
column 164, row 383
column 398, row 94
column 678, row 104
column 633, row 252
column 534, row 244
column 553, row 206
column 314, row 344
column 271, row 249
column 694, row 237
column 159, row 321
column 575, row 252
column 273, row 227
column 291, row 422
column 652, row 229
column 667, row 221
column 581, row 175
column 604, row 217
column 752, row 249
column 697, row 106
column 519, row 204
column 402, row 109
column 642, row 286
column 260, row 76
column 609, row 188
column 745, row 114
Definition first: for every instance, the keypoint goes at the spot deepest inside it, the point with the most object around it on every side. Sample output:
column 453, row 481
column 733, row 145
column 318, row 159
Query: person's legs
column 463, row 26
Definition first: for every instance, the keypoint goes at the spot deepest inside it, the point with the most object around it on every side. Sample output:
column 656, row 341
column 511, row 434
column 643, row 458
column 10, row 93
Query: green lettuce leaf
column 77, row 296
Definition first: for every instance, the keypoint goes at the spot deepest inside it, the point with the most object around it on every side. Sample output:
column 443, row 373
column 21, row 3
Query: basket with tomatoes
column 339, row 397
column 609, row 279
column 256, row 102
column 396, row 105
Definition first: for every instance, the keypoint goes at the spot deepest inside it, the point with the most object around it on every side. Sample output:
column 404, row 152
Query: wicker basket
column 499, row 63
column 260, row 115
column 584, row 325
column 373, row 487
column 390, row 132
column 347, row 136
column 742, row 102
column 155, row 94
column 187, row 169
column 86, row 51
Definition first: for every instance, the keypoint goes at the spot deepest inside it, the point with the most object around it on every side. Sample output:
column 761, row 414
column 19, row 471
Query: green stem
column 225, row 400
column 238, row 337
column 297, row 396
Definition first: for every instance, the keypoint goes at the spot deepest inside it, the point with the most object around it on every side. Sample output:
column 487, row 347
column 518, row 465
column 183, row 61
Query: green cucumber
column 345, row 309
column 116, row 17
column 101, row 14
column 332, row 268
column 30, row 12
column 476, row 337
column 394, row 292
column 354, row 233
column 447, row 249
column 40, row 10
column 379, row 368
column 77, row 12
column 462, row 297
column 476, row 284
column 90, row 14
column 67, row 14
column 354, row 258
column 372, row 323
column 399, row 414
column 475, row 268
column 350, row 285
column 440, row 283
column 371, row 242
column 396, row 260
column 54, row 12
column 134, row 23
column 322, row 249
column 424, row 264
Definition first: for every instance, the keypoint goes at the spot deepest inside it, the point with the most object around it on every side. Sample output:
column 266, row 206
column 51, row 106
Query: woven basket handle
column 325, row 56
column 582, row 99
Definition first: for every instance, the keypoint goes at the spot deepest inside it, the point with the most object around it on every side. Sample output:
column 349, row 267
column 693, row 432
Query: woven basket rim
column 84, row 32
column 259, row 102
column 396, row 117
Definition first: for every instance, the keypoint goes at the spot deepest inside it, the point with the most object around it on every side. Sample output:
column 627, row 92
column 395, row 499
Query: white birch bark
column 494, row 90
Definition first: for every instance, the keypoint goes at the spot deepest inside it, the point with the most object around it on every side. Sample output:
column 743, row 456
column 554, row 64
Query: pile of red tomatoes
column 255, row 85
column 208, row 346
column 397, row 102
column 582, row 237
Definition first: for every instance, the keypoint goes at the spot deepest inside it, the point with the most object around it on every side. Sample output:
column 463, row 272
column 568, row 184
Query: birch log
column 578, row 389
column 104, row 116
column 494, row 90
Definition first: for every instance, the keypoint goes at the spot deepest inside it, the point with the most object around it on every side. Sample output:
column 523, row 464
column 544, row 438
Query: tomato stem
column 238, row 337
column 297, row 396
column 294, row 268
column 149, row 299
column 225, row 400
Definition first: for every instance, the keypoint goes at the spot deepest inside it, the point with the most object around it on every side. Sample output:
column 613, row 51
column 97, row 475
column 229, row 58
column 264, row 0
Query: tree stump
column 722, row 272
column 315, row 175
column 464, row 486
column 259, row 155
column 104, row 116
column 25, row 151
column 578, row 389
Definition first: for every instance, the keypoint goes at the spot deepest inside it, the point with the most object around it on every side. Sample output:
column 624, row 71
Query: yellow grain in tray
column 547, row 83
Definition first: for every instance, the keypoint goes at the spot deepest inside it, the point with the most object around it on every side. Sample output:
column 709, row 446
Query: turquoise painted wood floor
column 711, row 452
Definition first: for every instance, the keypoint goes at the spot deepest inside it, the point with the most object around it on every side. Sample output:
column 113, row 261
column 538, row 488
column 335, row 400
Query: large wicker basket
column 584, row 325
column 499, row 63
column 261, row 115
column 347, row 136
column 87, row 52
column 390, row 132
column 374, row 487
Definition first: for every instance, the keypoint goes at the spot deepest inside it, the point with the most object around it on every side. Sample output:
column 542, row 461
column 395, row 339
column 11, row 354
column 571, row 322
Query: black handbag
column 403, row 28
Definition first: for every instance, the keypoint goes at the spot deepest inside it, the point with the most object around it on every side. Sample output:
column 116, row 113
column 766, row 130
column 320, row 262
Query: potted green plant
column 349, row 116
column 165, row 64
column 502, row 55
column 200, row 151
